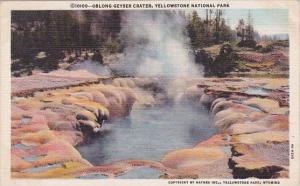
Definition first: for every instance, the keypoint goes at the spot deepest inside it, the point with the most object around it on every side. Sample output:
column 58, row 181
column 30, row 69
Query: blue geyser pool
column 149, row 133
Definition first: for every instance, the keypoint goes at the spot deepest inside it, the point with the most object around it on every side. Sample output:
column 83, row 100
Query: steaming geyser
column 156, row 44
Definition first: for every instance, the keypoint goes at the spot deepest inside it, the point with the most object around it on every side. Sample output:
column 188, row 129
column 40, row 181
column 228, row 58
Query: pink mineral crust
column 215, row 140
column 20, row 152
column 78, row 74
column 55, row 79
column 256, row 57
column 120, row 167
column 44, row 127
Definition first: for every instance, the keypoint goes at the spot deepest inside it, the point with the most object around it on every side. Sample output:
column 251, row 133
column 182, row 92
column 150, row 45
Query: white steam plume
column 157, row 45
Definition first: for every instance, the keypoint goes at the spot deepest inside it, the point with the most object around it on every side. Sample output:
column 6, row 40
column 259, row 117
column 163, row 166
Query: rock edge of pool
column 247, row 121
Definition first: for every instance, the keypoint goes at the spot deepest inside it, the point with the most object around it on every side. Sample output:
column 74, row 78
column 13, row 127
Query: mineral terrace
column 53, row 113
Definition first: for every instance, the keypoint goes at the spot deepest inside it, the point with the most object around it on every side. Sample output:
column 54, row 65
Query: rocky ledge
column 253, row 131
column 52, row 113
column 252, row 123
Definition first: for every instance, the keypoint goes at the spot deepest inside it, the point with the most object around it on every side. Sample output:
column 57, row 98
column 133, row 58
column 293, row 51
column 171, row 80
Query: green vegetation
column 209, row 31
column 63, row 29
column 223, row 63
column 58, row 34
column 44, row 39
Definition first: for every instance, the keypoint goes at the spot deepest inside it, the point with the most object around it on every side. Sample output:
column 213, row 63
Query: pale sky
column 265, row 21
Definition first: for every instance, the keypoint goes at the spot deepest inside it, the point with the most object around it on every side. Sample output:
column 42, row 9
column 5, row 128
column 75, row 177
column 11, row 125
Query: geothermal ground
column 67, row 125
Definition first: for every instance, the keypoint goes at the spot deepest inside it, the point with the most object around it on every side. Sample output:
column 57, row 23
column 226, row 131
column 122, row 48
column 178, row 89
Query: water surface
column 149, row 134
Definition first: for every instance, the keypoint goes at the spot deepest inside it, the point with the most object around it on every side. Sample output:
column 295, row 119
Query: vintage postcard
column 149, row 93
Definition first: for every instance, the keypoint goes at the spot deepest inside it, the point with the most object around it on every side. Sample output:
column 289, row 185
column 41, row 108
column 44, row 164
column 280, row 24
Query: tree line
column 212, row 29
column 50, row 30
column 55, row 31
column 34, row 31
